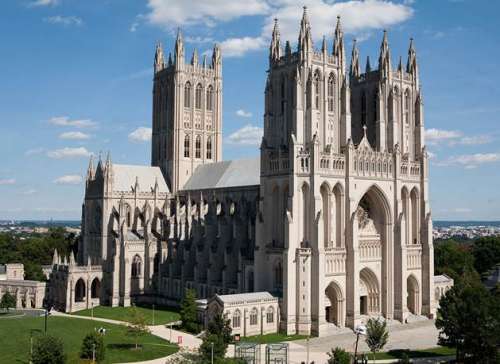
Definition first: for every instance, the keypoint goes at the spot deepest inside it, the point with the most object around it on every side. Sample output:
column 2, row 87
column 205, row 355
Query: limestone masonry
column 333, row 219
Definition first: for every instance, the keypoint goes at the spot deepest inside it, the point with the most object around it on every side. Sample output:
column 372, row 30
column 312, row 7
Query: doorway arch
column 369, row 293
column 95, row 288
column 413, row 295
column 80, row 290
column 335, row 312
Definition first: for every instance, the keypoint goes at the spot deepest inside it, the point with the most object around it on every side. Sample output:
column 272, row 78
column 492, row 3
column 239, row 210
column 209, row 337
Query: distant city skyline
column 77, row 80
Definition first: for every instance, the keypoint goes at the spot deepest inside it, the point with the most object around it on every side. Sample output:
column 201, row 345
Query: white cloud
column 140, row 135
column 69, row 179
column 237, row 47
column 34, row 151
column 358, row 17
column 134, row 26
column 7, row 181
column 68, row 153
column 433, row 136
column 77, row 123
column 31, row 191
column 44, row 3
column 470, row 161
column 171, row 14
column 247, row 135
column 475, row 140
column 64, row 20
column 243, row 113
column 74, row 135
column 431, row 155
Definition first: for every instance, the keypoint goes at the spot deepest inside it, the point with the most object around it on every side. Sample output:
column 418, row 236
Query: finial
column 364, row 131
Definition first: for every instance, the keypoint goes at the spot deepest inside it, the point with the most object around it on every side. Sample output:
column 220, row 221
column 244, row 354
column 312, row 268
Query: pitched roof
column 245, row 297
column 442, row 278
column 238, row 173
column 126, row 175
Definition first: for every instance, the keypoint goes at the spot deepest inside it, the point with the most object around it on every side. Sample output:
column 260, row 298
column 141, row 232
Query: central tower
column 187, row 113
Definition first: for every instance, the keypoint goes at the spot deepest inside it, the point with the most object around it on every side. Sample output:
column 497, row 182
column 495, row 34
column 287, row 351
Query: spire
column 338, row 45
column 275, row 47
column 179, row 49
column 305, row 37
column 170, row 59
column 217, row 59
column 411, row 65
column 91, row 169
column 400, row 65
column 55, row 258
column 288, row 49
column 194, row 58
column 355, row 70
column 323, row 45
column 384, row 60
column 159, row 61
column 368, row 67
column 204, row 61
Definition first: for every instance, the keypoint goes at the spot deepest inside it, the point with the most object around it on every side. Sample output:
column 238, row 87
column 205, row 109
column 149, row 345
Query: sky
column 76, row 80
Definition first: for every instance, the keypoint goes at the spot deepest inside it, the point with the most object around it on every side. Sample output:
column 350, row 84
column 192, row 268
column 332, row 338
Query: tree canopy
column 188, row 312
column 7, row 301
column 218, row 336
column 48, row 349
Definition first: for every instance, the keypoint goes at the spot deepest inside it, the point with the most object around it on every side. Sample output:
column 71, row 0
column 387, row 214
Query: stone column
column 352, row 270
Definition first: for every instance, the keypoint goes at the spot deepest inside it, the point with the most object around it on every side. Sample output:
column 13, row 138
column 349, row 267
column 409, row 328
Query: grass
column 426, row 353
column 15, row 339
column 162, row 315
column 272, row 338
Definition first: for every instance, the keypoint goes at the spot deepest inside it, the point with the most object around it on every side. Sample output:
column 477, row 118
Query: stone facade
column 28, row 294
column 333, row 219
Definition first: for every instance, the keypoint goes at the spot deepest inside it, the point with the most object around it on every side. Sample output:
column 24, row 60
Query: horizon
column 93, row 92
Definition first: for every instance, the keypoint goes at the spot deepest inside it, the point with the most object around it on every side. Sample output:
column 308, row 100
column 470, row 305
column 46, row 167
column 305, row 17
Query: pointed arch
column 413, row 295
column 187, row 94
column 210, row 98
column 406, row 106
column 209, row 147
column 415, row 216
column 136, row 266
column 369, row 292
column 335, row 312
column 405, row 202
column 317, row 89
column 331, row 92
column 305, row 211
column 80, row 290
column 95, row 288
column 326, row 204
column 198, row 98
column 197, row 147
column 187, row 146
column 339, row 215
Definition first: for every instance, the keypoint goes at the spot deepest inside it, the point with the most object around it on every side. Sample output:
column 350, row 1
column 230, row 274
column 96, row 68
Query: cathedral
column 333, row 219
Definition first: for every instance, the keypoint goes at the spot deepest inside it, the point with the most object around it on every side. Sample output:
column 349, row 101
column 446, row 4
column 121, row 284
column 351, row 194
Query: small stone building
column 442, row 283
column 28, row 294
column 250, row 314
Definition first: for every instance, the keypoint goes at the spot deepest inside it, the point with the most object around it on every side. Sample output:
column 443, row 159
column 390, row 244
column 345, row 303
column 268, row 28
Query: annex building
column 333, row 220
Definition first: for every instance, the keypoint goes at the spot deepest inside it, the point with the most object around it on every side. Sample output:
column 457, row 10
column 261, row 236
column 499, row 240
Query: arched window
column 209, row 148
column 236, row 319
column 317, row 90
column 331, row 91
column 186, row 146
column 197, row 99
column 278, row 275
column 374, row 106
column 136, row 266
column 270, row 315
column 407, row 107
column 363, row 108
column 283, row 95
column 187, row 95
column 254, row 316
column 198, row 147
column 210, row 98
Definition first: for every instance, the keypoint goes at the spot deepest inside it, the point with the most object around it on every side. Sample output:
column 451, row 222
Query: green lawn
column 272, row 338
column 163, row 315
column 426, row 353
column 15, row 340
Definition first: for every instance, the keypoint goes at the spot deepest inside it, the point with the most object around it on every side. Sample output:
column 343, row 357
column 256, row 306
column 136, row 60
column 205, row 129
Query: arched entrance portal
column 335, row 312
column 369, row 293
column 80, row 291
column 413, row 297
column 95, row 288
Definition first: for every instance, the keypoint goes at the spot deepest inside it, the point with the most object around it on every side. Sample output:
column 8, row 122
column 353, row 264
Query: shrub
column 48, row 349
column 93, row 341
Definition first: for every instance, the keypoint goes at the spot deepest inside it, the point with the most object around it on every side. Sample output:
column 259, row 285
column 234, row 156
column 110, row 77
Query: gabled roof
column 238, row 173
column 243, row 298
column 125, row 177
column 442, row 278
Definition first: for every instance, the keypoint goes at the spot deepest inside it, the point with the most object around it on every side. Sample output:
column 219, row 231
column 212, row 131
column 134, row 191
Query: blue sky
column 75, row 80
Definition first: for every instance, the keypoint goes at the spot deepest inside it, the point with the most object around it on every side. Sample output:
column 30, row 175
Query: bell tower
column 187, row 113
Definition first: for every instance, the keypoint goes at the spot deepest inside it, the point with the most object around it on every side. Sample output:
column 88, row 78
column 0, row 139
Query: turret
column 411, row 65
column 55, row 258
column 275, row 47
column 305, row 44
column 179, row 50
column 194, row 58
column 91, row 170
column 217, row 59
column 159, row 61
column 384, row 60
column 368, row 67
column 338, row 45
column 355, row 70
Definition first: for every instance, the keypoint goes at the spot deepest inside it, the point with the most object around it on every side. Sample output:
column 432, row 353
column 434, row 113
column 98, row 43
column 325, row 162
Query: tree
column 469, row 320
column 376, row 335
column 48, row 349
column 486, row 252
column 339, row 356
column 453, row 259
column 188, row 312
column 137, row 325
column 218, row 336
column 93, row 343
column 8, row 301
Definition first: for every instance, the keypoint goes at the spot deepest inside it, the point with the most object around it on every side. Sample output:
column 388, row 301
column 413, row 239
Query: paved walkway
column 186, row 341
